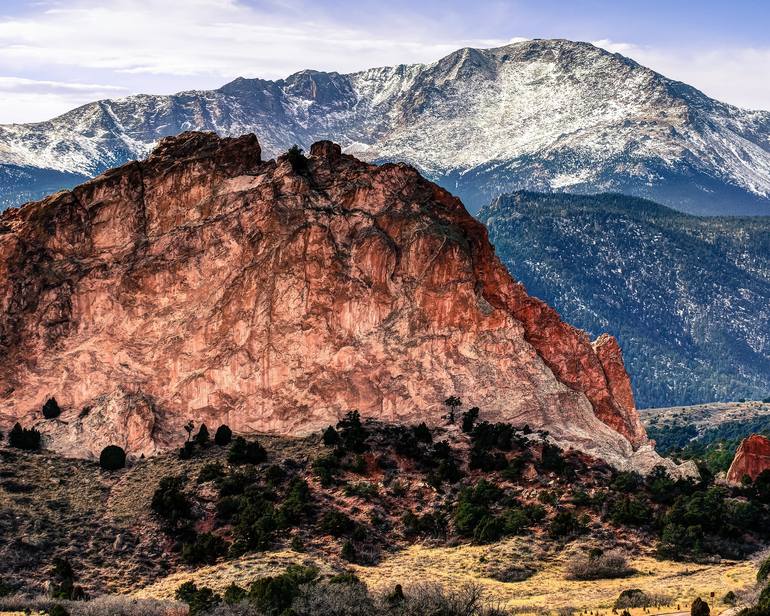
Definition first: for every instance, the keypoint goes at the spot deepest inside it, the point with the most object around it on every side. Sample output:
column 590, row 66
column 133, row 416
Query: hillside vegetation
column 474, row 505
column 687, row 297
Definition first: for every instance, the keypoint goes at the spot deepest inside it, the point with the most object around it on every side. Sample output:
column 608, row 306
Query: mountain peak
column 544, row 114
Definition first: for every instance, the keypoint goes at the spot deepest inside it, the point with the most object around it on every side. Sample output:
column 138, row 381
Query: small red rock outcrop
column 207, row 284
column 751, row 458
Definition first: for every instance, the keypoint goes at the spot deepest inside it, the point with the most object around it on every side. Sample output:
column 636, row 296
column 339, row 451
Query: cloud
column 221, row 37
column 22, row 99
column 104, row 48
column 158, row 46
column 736, row 75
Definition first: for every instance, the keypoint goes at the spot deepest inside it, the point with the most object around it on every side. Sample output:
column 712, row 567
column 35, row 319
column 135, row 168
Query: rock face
column 207, row 284
column 752, row 457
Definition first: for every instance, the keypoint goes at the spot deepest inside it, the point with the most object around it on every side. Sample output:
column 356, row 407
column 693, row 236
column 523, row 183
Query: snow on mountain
column 542, row 114
column 687, row 297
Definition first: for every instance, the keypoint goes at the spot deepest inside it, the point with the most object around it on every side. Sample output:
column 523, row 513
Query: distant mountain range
column 687, row 297
column 539, row 115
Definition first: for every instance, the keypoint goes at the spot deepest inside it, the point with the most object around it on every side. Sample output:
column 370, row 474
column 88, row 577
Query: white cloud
column 22, row 99
column 160, row 46
column 740, row 76
column 221, row 37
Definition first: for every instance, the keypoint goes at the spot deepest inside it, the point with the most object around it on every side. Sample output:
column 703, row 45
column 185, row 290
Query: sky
column 56, row 54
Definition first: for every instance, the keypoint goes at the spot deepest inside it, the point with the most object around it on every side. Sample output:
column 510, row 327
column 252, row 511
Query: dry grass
column 53, row 506
column 548, row 589
column 241, row 571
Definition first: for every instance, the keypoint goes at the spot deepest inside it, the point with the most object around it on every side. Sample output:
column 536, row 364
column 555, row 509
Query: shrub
column 213, row 471
column 348, row 552
column 24, row 438
column 339, row 596
column 631, row 511
column 296, row 503
column 699, row 608
column 325, row 468
column 236, row 482
column 627, row 481
column 51, row 409
column 566, row 524
column 331, row 437
column 431, row 524
column 488, row 530
column 601, row 566
column 274, row 475
column 202, row 438
column 256, row 521
column 422, row 433
column 452, row 403
column 511, row 573
column 764, row 570
column 297, row 159
column 336, row 523
column 446, row 468
column 486, row 436
column 112, row 458
column 223, row 436
column 274, row 595
column 200, row 600
column 352, row 433
column 246, row 452
column 469, row 418
column 635, row 597
column 204, row 550
column 234, row 594
column 186, row 451
column 473, row 506
column 63, row 582
column 58, row 610
column 363, row 489
column 552, row 459
column 169, row 502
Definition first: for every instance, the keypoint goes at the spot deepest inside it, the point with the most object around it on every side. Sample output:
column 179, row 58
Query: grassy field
column 547, row 589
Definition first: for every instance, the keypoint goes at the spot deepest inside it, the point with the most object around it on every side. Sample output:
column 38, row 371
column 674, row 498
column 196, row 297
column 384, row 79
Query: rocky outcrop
column 751, row 458
column 207, row 284
column 126, row 419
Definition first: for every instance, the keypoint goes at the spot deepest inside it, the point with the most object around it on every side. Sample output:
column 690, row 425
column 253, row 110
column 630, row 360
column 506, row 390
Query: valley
column 687, row 297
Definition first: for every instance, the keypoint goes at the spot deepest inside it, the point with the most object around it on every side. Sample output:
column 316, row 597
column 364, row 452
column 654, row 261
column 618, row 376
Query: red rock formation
column 752, row 457
column 221, row 288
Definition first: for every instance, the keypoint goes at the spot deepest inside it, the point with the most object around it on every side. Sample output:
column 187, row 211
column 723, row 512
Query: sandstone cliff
column 207, row 284
column 751, row 458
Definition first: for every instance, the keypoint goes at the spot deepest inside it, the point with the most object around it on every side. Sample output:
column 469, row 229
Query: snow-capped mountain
column 541, row 114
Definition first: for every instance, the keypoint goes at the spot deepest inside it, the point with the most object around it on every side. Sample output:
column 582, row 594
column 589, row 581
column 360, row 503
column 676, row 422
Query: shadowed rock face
column 752, row 457
column 206, row 284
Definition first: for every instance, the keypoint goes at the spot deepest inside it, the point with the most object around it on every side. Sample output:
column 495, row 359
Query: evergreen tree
column 51, row 409
column 223, row 436
column 202, row 438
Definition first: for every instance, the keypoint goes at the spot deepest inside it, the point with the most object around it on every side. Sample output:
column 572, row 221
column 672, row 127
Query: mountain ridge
column 686, row 296
column 479, row 121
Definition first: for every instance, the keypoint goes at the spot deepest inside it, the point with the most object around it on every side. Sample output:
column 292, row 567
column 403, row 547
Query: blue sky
column 55, row 55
